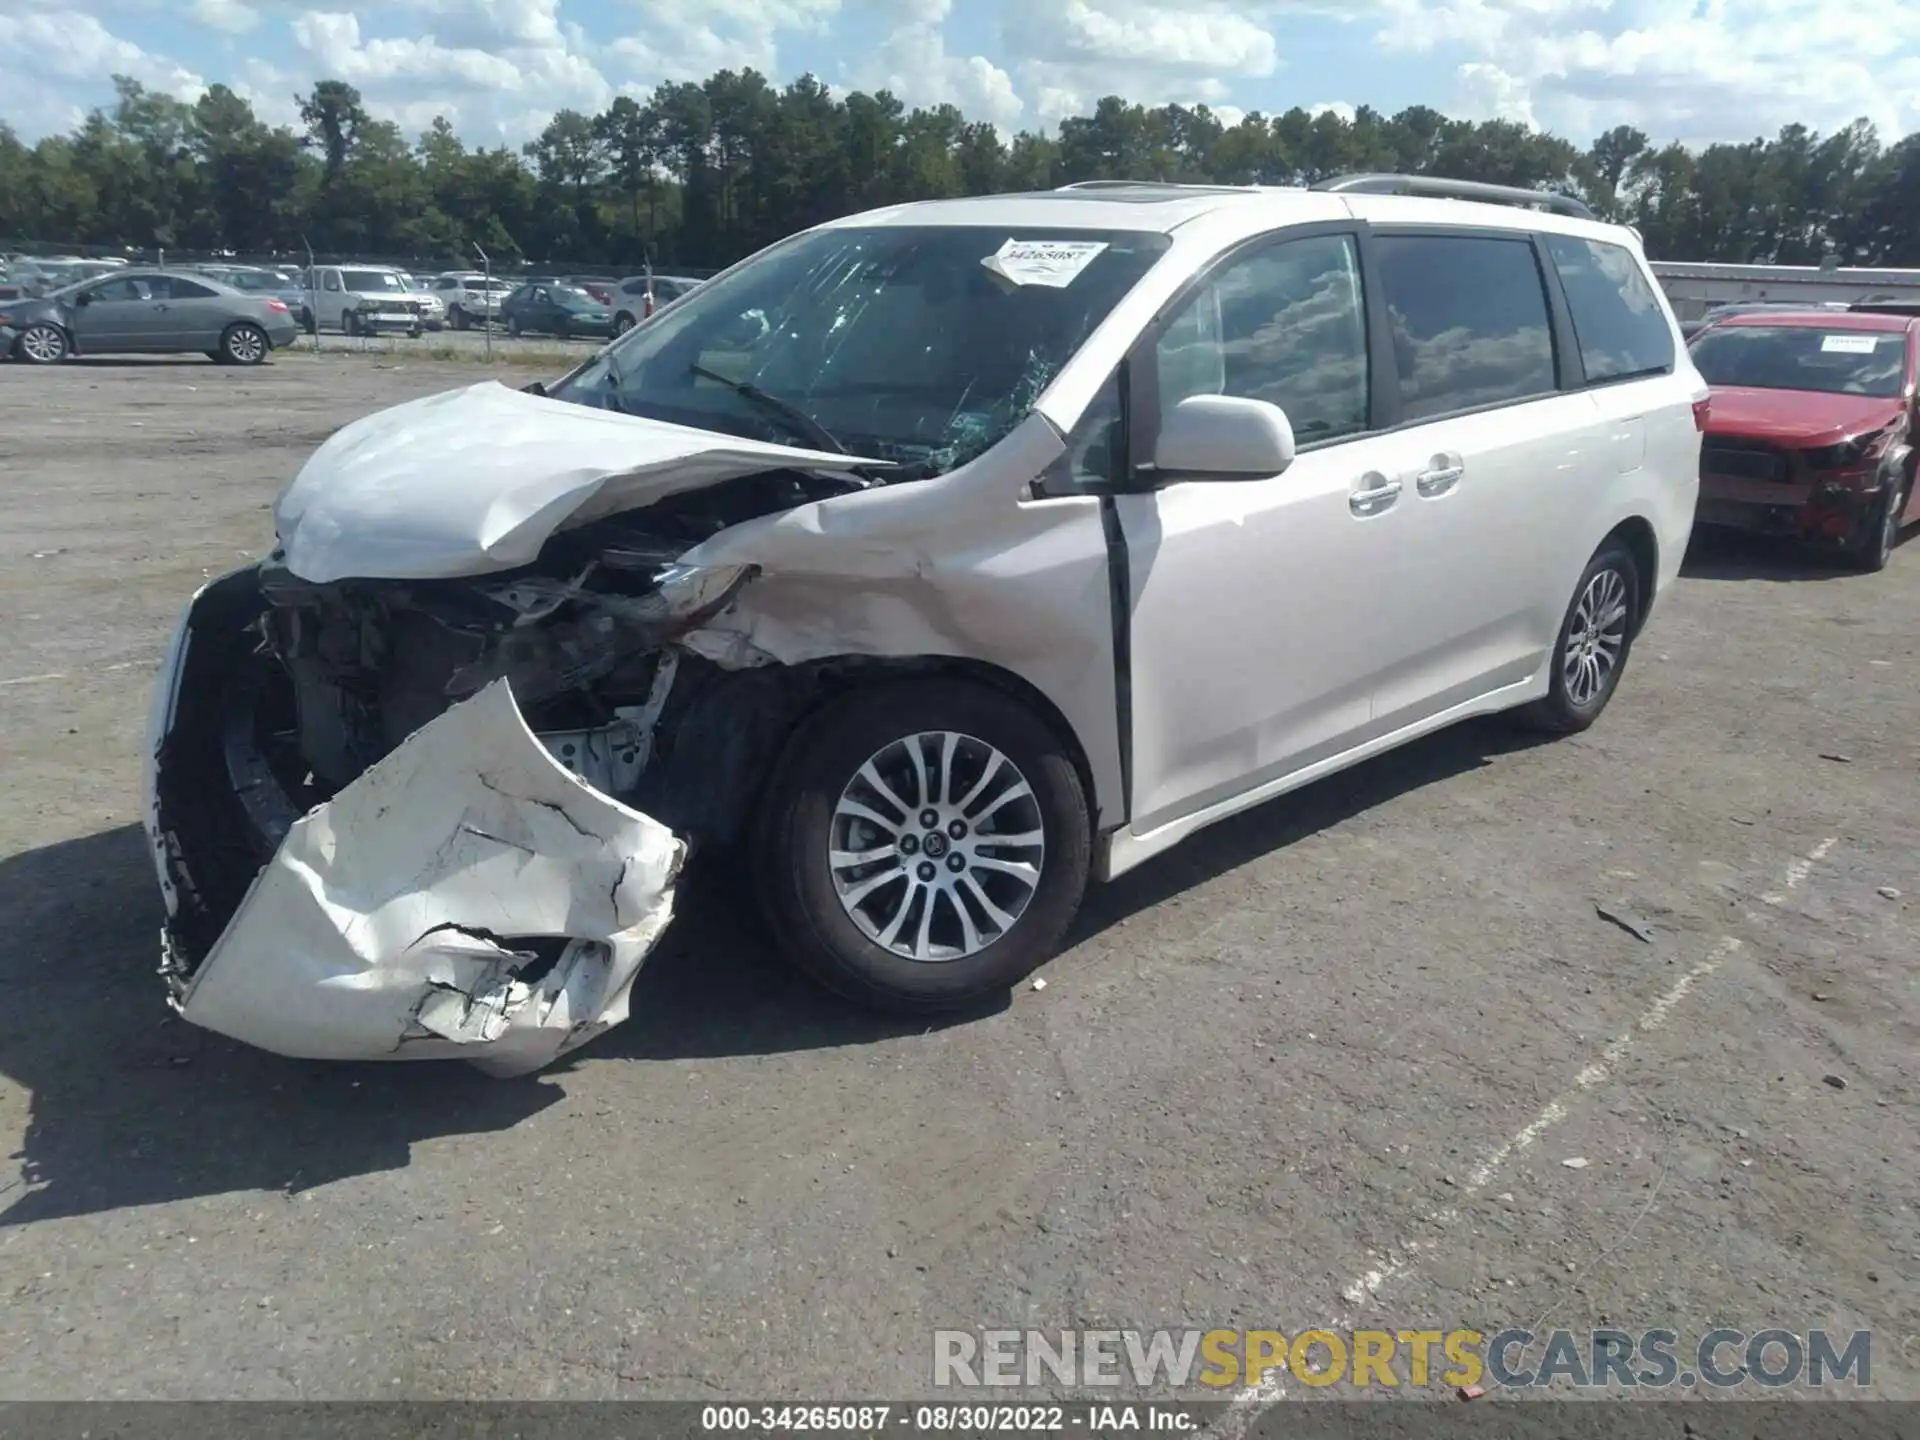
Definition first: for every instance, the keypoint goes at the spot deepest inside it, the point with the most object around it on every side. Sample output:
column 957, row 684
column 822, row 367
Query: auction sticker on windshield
column 1849, row 344
column 1053, row 263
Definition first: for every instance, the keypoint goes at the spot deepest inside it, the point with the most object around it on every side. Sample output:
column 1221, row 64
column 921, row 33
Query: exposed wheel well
column 1637, row 535
column 718, row 748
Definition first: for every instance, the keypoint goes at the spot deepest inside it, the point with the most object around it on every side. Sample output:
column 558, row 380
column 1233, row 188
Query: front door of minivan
column 1259, row 606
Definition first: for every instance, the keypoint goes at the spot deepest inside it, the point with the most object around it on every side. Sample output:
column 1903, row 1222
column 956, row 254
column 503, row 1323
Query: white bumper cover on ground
column 383, row 927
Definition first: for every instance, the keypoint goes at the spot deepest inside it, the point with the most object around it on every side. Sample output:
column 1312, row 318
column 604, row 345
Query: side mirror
column 1224, row 437
column 85, row 297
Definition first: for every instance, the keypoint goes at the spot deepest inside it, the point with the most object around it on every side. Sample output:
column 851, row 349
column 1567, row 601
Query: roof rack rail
column 1439, row 188
column 1144, row 185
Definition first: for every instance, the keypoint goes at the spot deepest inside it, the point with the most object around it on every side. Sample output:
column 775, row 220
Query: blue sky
column 1693, row 70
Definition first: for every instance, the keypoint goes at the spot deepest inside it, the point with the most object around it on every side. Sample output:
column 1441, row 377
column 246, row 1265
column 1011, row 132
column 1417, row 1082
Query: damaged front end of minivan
column 416, row 816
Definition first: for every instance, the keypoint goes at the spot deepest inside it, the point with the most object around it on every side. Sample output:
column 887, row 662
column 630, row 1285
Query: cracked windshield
column 895, row 344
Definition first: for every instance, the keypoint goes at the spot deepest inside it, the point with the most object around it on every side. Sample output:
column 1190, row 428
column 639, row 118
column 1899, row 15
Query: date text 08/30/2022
column 948, row 1419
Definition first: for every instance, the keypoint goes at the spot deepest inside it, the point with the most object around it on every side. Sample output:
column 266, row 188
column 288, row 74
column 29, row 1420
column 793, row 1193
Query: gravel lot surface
column 1325, row 1064
column 455, row 345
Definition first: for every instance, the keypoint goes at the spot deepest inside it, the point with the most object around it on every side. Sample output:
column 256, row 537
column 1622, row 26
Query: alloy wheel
column 1596, row 638
column 246, row 345
column 936, row 846
column 43, row 344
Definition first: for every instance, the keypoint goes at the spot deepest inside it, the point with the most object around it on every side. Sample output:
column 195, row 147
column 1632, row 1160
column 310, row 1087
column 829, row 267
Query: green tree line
column 701, row 174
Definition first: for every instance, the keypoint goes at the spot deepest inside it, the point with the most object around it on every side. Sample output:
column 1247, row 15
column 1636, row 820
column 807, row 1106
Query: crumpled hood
column 1803, row 418
column 475, row 480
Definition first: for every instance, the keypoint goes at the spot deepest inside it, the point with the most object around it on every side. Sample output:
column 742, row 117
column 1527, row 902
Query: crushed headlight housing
column 1848, row 453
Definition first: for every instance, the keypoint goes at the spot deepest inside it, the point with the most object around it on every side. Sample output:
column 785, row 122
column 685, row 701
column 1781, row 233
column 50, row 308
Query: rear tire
column 622, row 323
column 350, row 324
column 245, row 344
column 1596, row 637
column 42, row 344
column 924, row 888
column 459, row 318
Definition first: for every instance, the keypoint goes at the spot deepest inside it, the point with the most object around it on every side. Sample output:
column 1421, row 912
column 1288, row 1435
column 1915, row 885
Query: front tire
column 923, row 844
column 1874, row 548
column 459, row 318
column 244, row 344
column 42, row 345
column 513, row 327
column 1595, row 639
column 622, row 323
column 350, row 324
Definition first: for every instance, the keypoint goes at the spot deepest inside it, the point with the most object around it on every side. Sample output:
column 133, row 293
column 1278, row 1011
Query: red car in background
column 1811, row 428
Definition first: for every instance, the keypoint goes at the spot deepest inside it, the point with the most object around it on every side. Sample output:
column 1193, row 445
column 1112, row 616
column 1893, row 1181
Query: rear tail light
column 279, row 305
column 1702, row 412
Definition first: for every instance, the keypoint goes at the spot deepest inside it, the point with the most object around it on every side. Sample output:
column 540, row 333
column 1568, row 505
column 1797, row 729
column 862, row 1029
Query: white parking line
column 67, row 674
column 1798, row 870
column 1254, row 1400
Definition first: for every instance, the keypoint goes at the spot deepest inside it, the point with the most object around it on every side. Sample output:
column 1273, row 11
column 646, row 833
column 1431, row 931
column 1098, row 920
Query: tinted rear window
column 1470, row 322
column 1617, row 318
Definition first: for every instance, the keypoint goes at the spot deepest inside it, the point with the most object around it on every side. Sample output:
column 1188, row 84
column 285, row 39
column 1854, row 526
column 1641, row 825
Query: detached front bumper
column 467, row 896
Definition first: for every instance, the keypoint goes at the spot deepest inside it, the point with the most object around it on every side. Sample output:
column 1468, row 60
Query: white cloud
column 497, row 69
column 1333, row 107
column 912, row 61
column 1483, row 91
column 1714, row 70
column 55, row 56
column 230, row 17
column 690, row 39
column 1076, row 51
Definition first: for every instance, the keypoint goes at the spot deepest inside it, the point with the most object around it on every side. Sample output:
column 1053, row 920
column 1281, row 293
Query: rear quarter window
column 1617, row 319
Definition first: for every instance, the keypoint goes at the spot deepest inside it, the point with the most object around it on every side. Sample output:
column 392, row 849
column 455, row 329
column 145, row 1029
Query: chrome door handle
column 1439, row 480
column 1376, row 497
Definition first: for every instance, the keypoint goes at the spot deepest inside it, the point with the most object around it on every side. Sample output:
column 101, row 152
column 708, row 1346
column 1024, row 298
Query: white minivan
column 919, row 569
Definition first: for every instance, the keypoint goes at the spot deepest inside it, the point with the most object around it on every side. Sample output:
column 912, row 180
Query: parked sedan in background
column 258, row 280
column 34, row 276
column 1810, row 430
column 148, row 312
column 629, row 302
column 600, row 287
column 555, row 310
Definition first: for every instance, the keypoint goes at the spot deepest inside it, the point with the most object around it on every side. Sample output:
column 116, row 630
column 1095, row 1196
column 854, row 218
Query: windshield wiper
column 823, row 438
